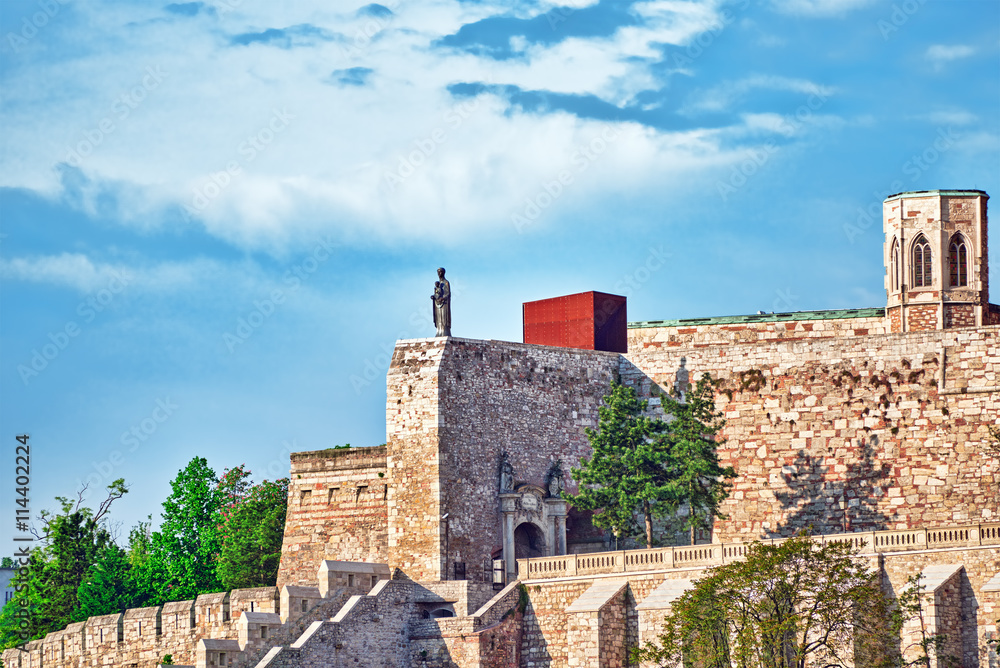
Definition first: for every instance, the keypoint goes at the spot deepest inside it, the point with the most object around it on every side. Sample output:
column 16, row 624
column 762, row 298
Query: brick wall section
column 922, row 317
column 336, row 510
column 532, row 402
column 895, row 319
column 413, row 412
column 848, row 434
column 959, row 315
column 697, row 336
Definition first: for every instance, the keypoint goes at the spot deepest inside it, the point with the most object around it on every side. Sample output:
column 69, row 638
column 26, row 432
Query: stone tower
column 937, row 274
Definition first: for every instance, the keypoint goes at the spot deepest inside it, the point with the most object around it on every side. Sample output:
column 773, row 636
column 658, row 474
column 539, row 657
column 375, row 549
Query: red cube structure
column 589, row 320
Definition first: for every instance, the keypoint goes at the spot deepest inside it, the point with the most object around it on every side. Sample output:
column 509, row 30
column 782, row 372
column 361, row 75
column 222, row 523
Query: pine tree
column 628, row 472
column 697, row 480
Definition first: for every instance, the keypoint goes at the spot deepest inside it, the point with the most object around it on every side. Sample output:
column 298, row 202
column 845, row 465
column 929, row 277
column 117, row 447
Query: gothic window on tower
column 958, row 262
column 922, row 277
column 894, row 265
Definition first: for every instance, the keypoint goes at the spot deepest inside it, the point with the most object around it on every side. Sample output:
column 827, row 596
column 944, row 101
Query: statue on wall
column 555, row 483
column 681, row 383
column 441, row 300
column 506, row 475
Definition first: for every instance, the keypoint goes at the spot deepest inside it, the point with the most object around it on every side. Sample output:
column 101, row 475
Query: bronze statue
column 442, row 304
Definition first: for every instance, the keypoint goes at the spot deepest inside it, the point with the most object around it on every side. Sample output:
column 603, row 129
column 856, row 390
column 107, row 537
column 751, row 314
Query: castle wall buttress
column 413, row 423
column 337, row 510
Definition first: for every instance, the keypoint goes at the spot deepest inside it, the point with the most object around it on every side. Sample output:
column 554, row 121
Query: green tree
column 692, row 438
column 109, row 586
column 182, row 555
column 785, row 606
column 71, row 542
column 252, row 532
column 628, row 471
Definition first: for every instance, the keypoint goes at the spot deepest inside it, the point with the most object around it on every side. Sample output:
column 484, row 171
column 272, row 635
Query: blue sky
column 218, row 216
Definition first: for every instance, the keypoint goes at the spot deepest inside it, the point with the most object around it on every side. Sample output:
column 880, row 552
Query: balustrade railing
column 716, row 554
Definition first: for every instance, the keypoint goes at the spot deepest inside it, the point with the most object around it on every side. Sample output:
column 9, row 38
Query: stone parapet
column 717, row 554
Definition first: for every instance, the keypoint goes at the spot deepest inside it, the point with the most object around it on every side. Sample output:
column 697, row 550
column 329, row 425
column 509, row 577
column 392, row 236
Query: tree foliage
column 696, row 478
column 628, row 472
column 647, row 468
column 252, row 532
column 72, row 540
column 183, row 553
column 109, row 586
column 785, row 606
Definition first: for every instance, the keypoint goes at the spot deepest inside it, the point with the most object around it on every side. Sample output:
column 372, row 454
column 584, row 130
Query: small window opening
column 374, row 581
column 350, row 580
column 922, row 275
column 263, row 632
column 958, row 263
column 305, row 605
column 305, row 494
column 331, row 494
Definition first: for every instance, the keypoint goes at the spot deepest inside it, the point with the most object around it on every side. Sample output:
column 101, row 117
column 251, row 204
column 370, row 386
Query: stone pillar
column 508, row 507
column 556, row 510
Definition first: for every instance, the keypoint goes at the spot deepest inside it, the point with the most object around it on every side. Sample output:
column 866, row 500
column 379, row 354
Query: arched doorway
column 529, row 541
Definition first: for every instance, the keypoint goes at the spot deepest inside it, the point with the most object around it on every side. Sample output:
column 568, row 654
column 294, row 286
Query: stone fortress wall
column 336, row 510
column 855, row 433
column 836, row 422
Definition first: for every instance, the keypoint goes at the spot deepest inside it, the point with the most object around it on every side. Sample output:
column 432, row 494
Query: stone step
column 598, row 595
column 669, row 591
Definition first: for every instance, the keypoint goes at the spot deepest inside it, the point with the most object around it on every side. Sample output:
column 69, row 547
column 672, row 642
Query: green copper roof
column 946, row 193
column 833, row 314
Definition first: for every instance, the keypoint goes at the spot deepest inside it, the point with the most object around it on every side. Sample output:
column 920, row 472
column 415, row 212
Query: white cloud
column 324, row 170
column 725, row 95
column 71, row 270
column 941, row 54
column 818, row 8
column 79, row 272
column 950, row 117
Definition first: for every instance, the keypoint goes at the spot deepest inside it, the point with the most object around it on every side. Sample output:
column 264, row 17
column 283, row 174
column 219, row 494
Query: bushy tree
column 252, row 532
column 650, row 468
column 182, row 554
column 628, row 471
column 789, row 605
column 109, row 586
column 692, row 438
column 72, row 540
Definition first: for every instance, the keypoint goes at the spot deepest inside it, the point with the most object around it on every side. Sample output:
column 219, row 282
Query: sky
column 217, row 217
